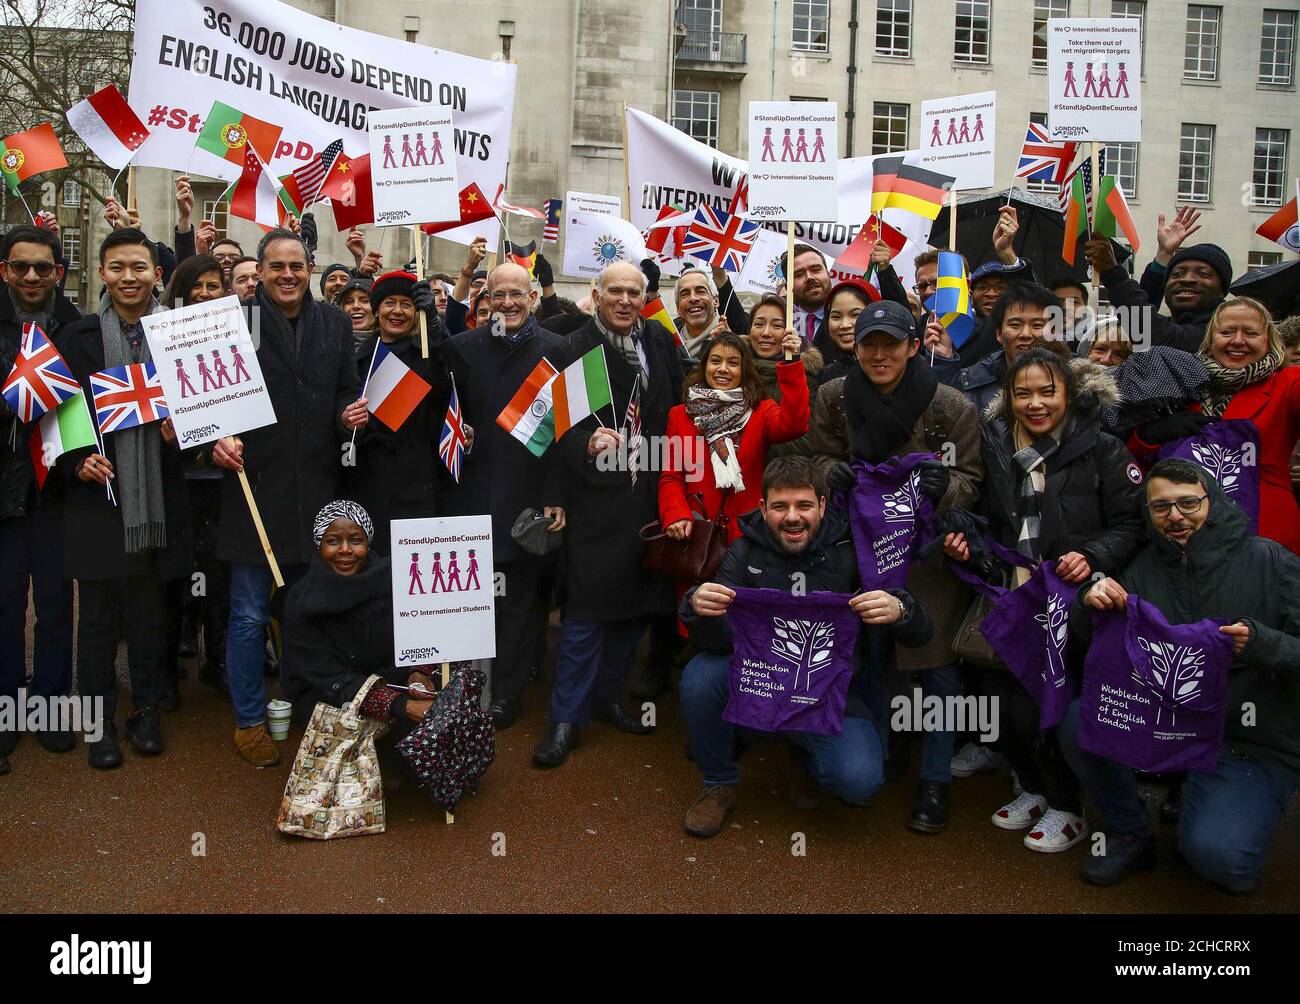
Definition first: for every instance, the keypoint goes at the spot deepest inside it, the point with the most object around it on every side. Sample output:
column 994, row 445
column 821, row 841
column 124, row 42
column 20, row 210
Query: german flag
column 524, row 255
column 917, row 190
column 884, row 174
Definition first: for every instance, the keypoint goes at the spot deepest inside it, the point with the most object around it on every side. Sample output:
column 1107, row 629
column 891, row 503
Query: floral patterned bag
column 334, row 788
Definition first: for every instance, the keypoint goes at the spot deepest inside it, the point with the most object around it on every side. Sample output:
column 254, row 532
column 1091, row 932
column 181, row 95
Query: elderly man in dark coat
column 607, row 500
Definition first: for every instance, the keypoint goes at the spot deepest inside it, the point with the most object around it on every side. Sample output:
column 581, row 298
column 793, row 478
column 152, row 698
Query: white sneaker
column 1057, row 831
column 1021, row 813
column 973, row 759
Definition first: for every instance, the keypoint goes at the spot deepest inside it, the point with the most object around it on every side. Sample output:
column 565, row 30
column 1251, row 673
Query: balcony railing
column 714, row 47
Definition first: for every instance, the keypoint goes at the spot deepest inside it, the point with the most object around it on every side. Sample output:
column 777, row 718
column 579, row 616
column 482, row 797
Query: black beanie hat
column 326, row 274
column 361, row 282
column 1212, row 255
column 390, row 284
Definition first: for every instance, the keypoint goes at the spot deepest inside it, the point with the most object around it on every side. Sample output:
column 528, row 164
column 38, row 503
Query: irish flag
column 60, row 431
column 580, row 390
column 393, row 389
column 27, row 153
column 528, row 416
column 1112, row 213
column 1076, row 219
column 106, row 124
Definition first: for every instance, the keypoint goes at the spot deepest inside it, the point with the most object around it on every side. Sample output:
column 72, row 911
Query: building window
column 1277, row 48
column 72, row 194
column 1269, row 177
column 1201, row 51
column 696, row 114
column 1195, row 162
column 971, row 42
column 1135, row 9
column 703, row 21
column 894, row 28
column 1042, row 11
column 1262, row 259
column 1122, row 162
column 888, row 127
column 72, row 247
column 1033, row 185
column 219, row 214
column 812, row 26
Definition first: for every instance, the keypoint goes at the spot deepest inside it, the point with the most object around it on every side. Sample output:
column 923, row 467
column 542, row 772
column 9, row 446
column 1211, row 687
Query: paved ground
column 602, row 833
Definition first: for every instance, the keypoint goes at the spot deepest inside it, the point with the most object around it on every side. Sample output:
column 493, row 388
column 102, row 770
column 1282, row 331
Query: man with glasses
column 31, row 537
column 1202, row 562
column 227, row 253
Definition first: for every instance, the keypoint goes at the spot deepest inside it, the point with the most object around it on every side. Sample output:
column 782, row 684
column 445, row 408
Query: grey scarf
column 629, row 345
column 137, row 452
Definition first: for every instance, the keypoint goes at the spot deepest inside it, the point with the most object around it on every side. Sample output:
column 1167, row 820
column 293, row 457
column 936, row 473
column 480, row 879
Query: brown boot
column 256, row 746
column 705, row 816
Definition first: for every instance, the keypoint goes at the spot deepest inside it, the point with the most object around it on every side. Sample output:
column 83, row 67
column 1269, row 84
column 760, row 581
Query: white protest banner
column 958, row 136
column 442, row 590
column 412, row 168
column 208, row 366
column 793, row 147
column 609, row 205
column 1094, row 70
column 594, row 240
column 315, row 78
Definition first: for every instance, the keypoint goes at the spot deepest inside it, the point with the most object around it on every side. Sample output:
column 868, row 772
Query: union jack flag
column 40, row 380
column 632, row 423
column 721, row 239
column 451, row 447
column 551, row 229
column 1084, row 170
column 127, row 396
column 1043, row 158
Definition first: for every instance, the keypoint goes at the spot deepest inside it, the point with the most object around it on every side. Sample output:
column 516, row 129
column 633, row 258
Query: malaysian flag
column 1044, row 159
column 127, row 396
column 551, row 229
column 1084, row 170
column 311, row 175
column 632, row 423
column 40, row 380
column 721, row 239
column 451, row 447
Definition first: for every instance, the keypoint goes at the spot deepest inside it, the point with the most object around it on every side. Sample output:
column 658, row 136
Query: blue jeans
column 850, row 765
column 1227, row 819
column 936, row 747
column 250, row 613
column 591, row 666
column 31, row 550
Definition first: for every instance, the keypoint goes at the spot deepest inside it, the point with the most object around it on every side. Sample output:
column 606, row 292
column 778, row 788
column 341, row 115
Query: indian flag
column 580, row 390
column 528, row 416
column 1076, row 219
column 60, row 431
column 1112, row 214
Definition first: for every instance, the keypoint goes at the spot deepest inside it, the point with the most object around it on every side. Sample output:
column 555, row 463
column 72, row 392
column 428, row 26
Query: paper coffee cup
column 278, row 715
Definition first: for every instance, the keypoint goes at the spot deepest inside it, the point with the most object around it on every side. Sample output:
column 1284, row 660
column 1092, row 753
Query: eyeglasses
column 1186, row 505
column 231, row 256
column 502, row 295
column 41, row 268
column 921, row 288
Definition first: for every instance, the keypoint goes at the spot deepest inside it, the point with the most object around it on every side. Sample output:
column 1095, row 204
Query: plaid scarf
column 1030, row 459
column 1225, row 382
column 720, row 416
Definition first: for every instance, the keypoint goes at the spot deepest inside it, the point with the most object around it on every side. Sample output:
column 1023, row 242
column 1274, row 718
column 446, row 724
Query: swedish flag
column 952, row 299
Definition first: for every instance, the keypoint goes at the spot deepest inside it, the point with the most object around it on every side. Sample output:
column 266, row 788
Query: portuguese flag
column 227, row 131
column 27, row 153
column 1076, row 219
column 1113, row 214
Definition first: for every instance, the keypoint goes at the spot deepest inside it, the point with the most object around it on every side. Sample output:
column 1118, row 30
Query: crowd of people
column 1042, row 429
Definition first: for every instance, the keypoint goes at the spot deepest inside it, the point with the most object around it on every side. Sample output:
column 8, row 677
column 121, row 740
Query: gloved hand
column 933, row 479
column 963, row 521
column 651, row 272
column 841, row 478
column 310, row 235
column 422, row 296
column 545, row 274
column 1168, row 428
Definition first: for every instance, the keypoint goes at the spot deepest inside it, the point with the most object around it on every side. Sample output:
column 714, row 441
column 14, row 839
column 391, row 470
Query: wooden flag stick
column 130, row 189
column 419, row 274
column 446, row 679
column 789, row 280
column 627, row 177
column 952, row 219
column 261, row 530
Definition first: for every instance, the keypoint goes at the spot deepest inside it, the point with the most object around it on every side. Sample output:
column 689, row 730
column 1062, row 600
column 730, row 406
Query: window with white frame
column 1136, row 9
column 1195, row 162
column 1122, row 162
column 1201, row 48
column 72, row 194
column 888, row 127
column 72, row 247
column 1269, row 175
column 1044, row 9
column 219, row 213
column 1262, row 259
column 894, row 28
column 1051, row 187
column 812, row 26
column 974, row 22
column 696, row 113
column 1277, row 48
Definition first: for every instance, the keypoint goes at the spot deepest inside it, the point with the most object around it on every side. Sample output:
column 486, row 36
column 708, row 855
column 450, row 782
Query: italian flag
column 60, row 431
column 580, row 390
column 528, row 417
column 27, row 153
column 1076, row 219
column 229, row 133
column 1113, row 214
column 106, row 124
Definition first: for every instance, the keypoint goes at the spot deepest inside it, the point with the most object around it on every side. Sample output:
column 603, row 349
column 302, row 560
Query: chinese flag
column 857, row 256
column 473, row 207
column 348, row 188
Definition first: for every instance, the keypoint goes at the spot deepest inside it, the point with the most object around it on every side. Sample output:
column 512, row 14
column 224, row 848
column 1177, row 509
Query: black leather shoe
column 169, row 699
column 504, row 712
column 1124, row 853
column 558, row 744
column 619, row 717
column 144, row 729
column 930, row 810
column 105, row 753
column 56, row 740
column 8, row 740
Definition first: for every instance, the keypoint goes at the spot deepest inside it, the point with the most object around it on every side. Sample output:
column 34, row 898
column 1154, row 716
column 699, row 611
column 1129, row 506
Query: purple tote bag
column 888, row 514
column 1228, row 449
column 792, row 660
column 1154, row 693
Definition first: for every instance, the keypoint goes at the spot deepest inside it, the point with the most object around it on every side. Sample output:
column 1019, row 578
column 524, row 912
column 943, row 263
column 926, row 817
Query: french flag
column 393, row 390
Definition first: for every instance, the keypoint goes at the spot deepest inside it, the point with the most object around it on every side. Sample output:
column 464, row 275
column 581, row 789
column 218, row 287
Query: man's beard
column 802, row 545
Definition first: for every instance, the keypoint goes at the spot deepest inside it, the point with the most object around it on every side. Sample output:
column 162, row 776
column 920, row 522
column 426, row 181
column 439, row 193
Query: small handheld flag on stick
column 109, row 126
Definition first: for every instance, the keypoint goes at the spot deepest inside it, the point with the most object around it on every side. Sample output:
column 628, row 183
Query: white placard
column 442, row 590
column 793, row 147
column 595, row 240
column 606, row 205
column 1094, row 71
column 208, row 366
column 413, row 166
column 958, row 136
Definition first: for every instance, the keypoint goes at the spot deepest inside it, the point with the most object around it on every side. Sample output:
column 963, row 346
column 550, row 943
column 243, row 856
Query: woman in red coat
column 723, row 432
column 1248, row 379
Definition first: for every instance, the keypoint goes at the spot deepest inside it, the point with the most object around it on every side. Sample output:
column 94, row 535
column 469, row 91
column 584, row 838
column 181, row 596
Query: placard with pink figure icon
column 1094, row 77
column 959, row 138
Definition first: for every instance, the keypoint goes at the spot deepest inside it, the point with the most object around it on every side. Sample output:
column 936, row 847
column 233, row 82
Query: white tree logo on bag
column 1177, row 671
column 805, row 645
column 1223, row 463
column 900, row 506
column 1056, row 623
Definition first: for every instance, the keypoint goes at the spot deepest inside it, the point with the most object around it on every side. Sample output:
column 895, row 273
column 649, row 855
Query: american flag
column 451, row 447
column 551, row 229
column 721, row 239
column 1044, row 159
column 632, row 423
column 127, row 396
column 311, row 175
column 1084, row 170
column 40, row 380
